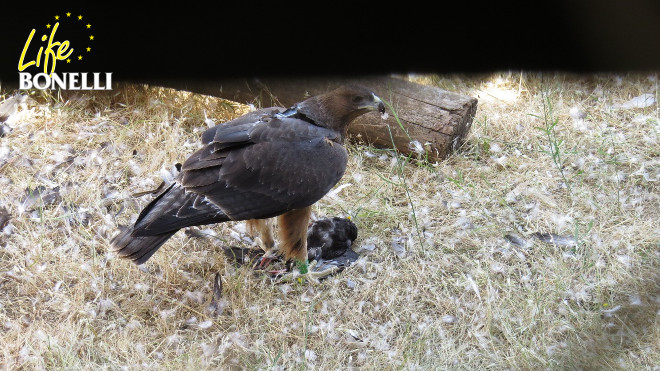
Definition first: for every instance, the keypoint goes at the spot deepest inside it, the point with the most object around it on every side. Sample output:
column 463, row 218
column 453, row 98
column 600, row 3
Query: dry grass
column 451, row 293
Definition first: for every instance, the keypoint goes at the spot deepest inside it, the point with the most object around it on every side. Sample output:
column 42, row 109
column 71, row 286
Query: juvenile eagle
column 267, row 163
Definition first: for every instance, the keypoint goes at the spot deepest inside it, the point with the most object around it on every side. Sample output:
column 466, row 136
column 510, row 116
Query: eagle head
column 338, row 108
column 355, row 100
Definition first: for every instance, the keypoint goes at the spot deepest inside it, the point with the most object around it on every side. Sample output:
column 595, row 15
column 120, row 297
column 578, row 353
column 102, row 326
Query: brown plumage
column 267, row 163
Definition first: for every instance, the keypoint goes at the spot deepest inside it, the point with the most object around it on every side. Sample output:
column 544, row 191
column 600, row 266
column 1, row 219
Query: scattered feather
column 577, row 113
column 368, row 247
column 39, row 197
column 218, row 303
column 635, row 300
column 152, row 191
column 204, row 325
column 449, row 319
column 641, row 101
column 76, row 216
column 568, row 241
column 501, row 161
column 210, row 123
column 398, row 246
column 463, row 223
column 612, row 310
column 168, row 175
column 4, row 130
column 5, row 217
column 520, row 242
column 10, row 105
column 195, row 232
column 334, row 193
column 416, row 147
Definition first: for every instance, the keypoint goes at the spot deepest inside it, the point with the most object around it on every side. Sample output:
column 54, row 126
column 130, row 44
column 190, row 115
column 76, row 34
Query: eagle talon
column 263, row 262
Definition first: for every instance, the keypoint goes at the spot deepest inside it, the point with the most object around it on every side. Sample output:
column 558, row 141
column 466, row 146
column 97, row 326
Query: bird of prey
column 267, row 163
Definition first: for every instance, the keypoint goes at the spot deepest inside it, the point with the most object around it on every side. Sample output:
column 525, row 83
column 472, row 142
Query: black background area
column 155, row 41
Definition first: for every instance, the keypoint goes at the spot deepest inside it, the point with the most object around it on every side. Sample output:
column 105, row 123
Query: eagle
column 272, row 162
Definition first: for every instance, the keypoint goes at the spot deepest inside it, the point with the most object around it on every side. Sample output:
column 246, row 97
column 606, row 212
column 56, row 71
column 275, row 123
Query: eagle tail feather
column 138, row 249
column 173, row 209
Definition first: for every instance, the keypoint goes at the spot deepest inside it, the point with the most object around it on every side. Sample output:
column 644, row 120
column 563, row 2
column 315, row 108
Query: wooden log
column 432, row 120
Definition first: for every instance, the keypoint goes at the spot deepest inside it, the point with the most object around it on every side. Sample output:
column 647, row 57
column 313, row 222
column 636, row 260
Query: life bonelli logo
column 47, row 50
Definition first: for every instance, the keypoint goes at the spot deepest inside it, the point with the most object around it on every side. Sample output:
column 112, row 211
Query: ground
column 451, row 275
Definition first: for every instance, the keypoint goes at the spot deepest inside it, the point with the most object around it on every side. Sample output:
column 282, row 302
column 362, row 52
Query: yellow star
column 91, row 37
column 80, row 57
column 79, row 17
column 89, row 25
column 57, row 17
column 68, row 60
column 88, row 48
column 48, row 25
column 68, row 14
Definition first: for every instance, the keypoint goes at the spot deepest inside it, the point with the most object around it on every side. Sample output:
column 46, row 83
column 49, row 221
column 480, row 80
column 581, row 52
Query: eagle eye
column 356, row 99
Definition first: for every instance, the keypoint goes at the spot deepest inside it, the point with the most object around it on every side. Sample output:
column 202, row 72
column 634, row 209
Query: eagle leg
column 262, row 231
column 293, row 233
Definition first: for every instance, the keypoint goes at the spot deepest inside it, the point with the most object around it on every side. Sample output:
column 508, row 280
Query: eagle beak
column 381, row 106
column 376, row 105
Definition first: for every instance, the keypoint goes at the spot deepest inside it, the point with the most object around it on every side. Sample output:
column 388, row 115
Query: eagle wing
column 248, row 169
column 262, row 169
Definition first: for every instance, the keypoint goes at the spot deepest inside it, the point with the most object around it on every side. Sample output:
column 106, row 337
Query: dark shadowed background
column 157, row 41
